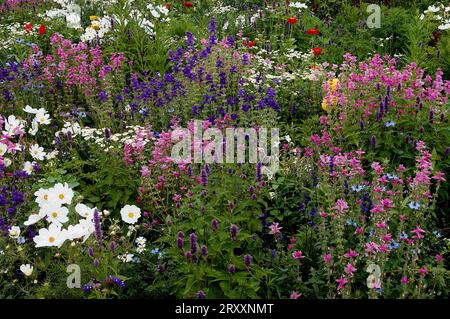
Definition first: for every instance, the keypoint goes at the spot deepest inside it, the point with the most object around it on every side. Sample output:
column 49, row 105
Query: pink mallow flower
column 327, row 258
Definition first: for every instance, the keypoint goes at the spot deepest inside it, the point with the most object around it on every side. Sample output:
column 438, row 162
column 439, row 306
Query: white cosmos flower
column 61, row 194
column 130, row 214
column 34, row 128
column 88, row 228
column 444, row 26
column 433, row 9
column 33, row 219
column 42, row 117
column 85, row 211
column 43, row 196
column 56, row 213
column 3, row 149
column 12, row 124
column 7, row 162
column 37, row 152
column 74, row 232
column 51, row 237
column 30, row 110
column 26, row 269
column 14, row 232
column 28, row 167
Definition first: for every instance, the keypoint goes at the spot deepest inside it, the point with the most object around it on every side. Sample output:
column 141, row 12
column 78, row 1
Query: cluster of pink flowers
column 9, row 5
column 73, row 64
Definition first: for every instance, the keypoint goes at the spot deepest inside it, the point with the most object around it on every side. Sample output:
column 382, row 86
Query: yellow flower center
column 61, row 196
column 45, row 197
column 54, row 214
column 131, row 215
column 51, row 239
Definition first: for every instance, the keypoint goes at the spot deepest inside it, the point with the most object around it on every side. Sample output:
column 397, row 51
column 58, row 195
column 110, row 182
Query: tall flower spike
column 98, row 229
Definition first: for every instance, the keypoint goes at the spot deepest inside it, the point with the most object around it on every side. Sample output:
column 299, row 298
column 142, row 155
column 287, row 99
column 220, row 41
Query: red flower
column 168, row 6
column 317, row 51
column 28, row 27
column 312, row 31
column 292, row 20
column 188, row 4
column 249, row 44
column 42, row 29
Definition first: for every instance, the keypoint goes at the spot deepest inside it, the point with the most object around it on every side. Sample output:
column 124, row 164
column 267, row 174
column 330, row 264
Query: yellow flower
column 92, row 18
column 327, row 105
column 95, row 25
column 333, row 84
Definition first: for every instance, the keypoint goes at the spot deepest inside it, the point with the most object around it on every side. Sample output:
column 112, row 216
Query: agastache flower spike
column 98, row 228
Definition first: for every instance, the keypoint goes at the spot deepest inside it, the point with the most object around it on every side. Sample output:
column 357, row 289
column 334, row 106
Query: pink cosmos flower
column 297, row 254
